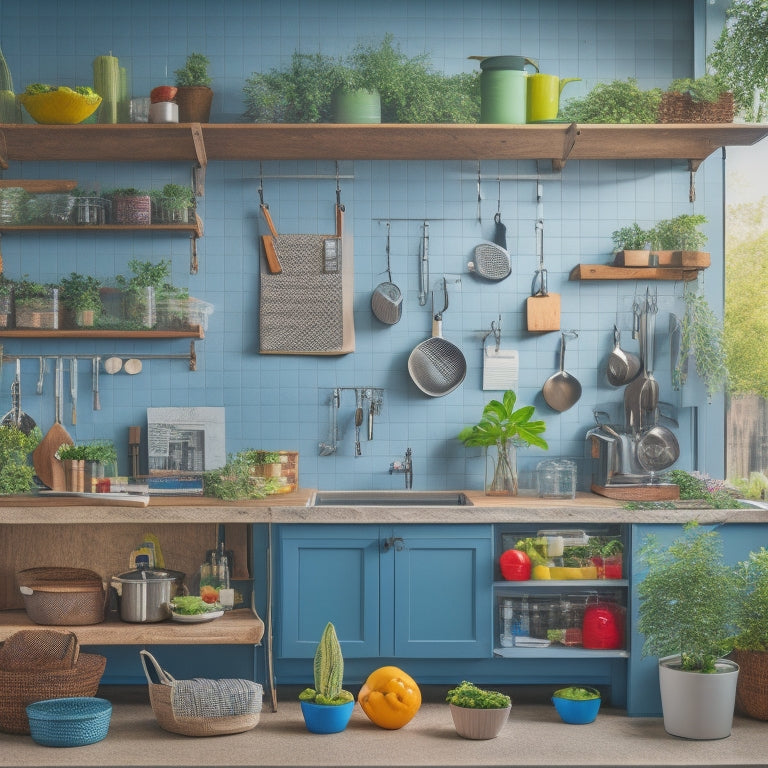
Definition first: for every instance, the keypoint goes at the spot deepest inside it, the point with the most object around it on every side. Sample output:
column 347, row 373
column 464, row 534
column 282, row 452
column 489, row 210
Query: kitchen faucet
column 405, row 467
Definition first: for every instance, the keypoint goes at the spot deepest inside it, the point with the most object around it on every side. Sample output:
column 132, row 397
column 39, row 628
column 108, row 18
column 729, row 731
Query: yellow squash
column 390, row 697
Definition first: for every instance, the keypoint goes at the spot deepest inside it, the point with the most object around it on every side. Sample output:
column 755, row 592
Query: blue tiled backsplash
column 282, row 402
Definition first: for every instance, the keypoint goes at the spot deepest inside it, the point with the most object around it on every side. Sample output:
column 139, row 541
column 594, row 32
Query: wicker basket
column 20, row 686
column 752, row 685
column 63, row 596
column 69, row 722
column 167, row 707
column 681, row 108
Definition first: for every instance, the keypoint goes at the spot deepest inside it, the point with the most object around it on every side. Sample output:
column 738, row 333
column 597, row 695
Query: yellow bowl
column 59, row 107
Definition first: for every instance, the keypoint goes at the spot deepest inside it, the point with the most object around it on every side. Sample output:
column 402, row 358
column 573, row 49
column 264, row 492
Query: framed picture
column 185, row 440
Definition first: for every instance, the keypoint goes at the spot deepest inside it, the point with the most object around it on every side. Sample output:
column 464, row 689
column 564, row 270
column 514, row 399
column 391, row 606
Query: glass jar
column 556, row 479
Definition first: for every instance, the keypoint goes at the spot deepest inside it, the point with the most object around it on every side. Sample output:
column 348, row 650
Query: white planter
column 698, row 705
column 479, row 723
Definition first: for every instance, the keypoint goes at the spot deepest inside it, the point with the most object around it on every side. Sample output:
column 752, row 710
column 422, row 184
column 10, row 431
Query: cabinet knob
column 396, row 542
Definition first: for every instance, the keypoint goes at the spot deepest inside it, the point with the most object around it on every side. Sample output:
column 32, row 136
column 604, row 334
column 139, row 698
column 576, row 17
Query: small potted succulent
column 327, row 707
column 478, row 713
column 577, row 705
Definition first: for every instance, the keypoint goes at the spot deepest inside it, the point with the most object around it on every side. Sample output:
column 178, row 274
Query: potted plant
column 265, row 463
column 141, row 292
column 701, row 336
column 194, row 94
column 235, row 480
column 478, row 713
column 678, row 241
column 504, row 429
column 576, row 704
column 631, row 246
column 619, row 101
column 172, row 204
column 704, row 99
column 36, row 305
column 750, row 644
column 16, row 473
column 738, row 57
column 131, row 206
column 90, row 207
column 687, row 603
column 327, row 707
column 81, row 297
column 6, row 301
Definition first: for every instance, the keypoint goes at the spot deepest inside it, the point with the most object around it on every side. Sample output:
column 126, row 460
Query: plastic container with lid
column 556, row 479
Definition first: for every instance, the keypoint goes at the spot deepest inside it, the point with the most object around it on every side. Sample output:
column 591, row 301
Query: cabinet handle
column 395, row 542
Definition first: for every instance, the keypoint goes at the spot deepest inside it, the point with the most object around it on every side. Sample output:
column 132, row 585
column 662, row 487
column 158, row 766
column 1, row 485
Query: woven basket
column 70, row 722
column 20, row 686
column 63, row 596
column 681, row 108
column 752, row 685
column 161, row 699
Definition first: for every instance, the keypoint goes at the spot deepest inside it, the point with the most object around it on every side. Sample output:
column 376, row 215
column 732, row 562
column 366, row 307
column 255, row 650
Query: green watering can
column 503, row 90
column 543, row 96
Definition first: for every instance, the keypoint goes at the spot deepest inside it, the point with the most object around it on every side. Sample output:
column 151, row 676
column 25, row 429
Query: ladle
column 562, row 390
column 623, row 366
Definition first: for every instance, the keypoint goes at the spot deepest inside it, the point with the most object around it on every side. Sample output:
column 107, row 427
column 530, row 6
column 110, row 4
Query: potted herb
column 678, row 241
column 577, row 705
column 620, row 101
column 90, row 207
column 502, row 429
column 631, row 246
column 16, row 473
column 327, row 707
column 702, row 338
column 687, row 603
column 704, row 99
column 235, row 480
column 131, row 206
column 194, row 94
column 738, row 57
column 478, row 713
column 36, row 305
column 172, row 204
column 6, row 301
column 141, row 292
column 750, row 644
column 265, row 463
column 85, row 464
column 81, row 297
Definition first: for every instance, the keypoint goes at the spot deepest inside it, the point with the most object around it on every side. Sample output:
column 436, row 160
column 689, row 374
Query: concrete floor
column 534, row 736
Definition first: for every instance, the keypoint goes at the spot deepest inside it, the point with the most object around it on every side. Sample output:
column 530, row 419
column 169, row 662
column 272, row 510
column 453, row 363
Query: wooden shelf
column 199, row 143
column 238, row 627
column 193, row 228
column 195, row 332
column 558, row 652
column 609, row 272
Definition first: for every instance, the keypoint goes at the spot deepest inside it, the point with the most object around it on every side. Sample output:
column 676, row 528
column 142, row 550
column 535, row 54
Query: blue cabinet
column 407, row 591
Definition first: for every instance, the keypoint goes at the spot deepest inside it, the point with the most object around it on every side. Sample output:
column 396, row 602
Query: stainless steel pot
column 144, row 595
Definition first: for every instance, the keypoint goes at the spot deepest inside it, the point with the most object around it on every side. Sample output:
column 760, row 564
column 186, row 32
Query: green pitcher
column 544, row 96
column 503, row 88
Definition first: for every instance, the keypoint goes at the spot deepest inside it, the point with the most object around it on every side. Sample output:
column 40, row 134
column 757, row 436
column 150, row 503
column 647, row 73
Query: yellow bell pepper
column 390, row 697
column 541, row 572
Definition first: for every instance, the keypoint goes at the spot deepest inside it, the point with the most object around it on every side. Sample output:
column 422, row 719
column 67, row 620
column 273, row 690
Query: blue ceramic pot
column 576, row 711
column 326, row 718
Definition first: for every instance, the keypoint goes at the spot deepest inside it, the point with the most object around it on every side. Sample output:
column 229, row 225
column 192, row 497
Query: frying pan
column 436, row 366
column 387, row 298
column 561, row 390
column 623, row 366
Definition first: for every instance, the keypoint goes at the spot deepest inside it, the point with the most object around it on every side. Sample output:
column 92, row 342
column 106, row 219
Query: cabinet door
column 442, row 591
column 328, row 573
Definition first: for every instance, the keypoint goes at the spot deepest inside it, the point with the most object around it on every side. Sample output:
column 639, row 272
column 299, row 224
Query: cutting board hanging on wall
column 542, row 308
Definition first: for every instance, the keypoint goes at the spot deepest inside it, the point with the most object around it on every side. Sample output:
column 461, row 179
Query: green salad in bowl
column 193, row 605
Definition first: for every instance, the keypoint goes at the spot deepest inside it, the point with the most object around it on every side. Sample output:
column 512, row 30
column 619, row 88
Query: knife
column 73, row 387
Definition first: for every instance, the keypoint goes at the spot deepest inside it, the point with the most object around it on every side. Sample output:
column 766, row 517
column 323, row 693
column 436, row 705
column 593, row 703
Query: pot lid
column 145, row 574
column 507, row 62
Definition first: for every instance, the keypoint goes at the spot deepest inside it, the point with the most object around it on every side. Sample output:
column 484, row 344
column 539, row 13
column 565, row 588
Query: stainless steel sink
column 389, row 499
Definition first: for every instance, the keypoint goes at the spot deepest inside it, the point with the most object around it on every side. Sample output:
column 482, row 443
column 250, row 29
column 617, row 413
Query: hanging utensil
column 424, row 266
column 387, row 298
column 542, row 308
column 623, row 366
column 16, row 417
column 491, row 260
column 436, row 366
column 113, row 364
column 562, row 390
column 73, row 388
column 95, row 365
column 358, row 420
column 657, row 449
column 500, row 232
column 649, row 397
column 133, row 366
column 329, row 447
column 41, row 377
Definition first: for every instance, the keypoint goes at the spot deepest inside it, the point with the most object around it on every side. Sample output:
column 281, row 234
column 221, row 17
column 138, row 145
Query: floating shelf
column 609, row 272
column 195, row 332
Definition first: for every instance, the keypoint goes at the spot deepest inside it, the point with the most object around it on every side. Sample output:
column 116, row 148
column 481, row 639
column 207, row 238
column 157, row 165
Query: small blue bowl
column 576, row 711
column 326, row 718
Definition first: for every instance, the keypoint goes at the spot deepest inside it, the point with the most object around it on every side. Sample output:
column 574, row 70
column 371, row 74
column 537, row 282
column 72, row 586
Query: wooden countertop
column 292, row 508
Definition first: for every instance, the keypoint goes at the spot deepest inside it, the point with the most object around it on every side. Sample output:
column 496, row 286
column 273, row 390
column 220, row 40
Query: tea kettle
column 503, row 88
column 543, row 97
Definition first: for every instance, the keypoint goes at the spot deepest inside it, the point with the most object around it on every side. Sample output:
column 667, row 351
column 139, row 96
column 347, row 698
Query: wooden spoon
column 47, row 466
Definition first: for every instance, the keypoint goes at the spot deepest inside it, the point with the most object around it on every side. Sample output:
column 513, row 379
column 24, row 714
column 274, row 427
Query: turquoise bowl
column 576, row 711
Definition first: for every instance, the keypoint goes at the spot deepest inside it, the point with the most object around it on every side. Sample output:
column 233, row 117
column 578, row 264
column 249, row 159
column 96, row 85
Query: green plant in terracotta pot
column 194, row 94
column 327, row 707
column 35, row 304
column 505, row 429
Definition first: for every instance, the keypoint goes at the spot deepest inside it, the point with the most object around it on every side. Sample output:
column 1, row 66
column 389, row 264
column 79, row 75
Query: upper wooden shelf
column 193, row 332
column 198, row 143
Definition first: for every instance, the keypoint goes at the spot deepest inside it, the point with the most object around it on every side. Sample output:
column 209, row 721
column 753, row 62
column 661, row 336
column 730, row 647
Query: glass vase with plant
column 505, row 429
column 172, row 204
column 6, row 301
column 141, row 292
column 36, row 305
column 81, row 297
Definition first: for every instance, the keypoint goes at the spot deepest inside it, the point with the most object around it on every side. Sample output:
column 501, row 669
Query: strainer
column 387, row 298
column 436, row 366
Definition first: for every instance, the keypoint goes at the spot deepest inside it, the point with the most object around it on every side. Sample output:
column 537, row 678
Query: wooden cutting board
column 543, row 312
column 48, row 468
